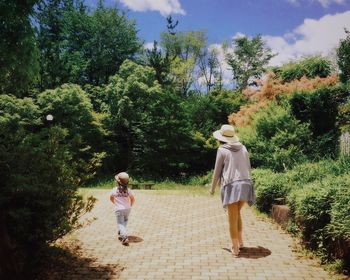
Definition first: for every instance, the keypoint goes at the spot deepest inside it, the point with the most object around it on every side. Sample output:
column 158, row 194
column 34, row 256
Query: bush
column 320, row 110
column 309, row 67
column 321, row 211
column 271, row 188
column 318, row 195
column 38, row 198
column 276, row 139
column 71, row 109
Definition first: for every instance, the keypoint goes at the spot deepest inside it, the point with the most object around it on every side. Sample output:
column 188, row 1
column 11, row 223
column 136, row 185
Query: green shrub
column 310, row 67
column 271, row 188
column 321, row 210
column 72, row 109
column 276, row 139
column 343, row 57
column 320, row 110
column 38, row 198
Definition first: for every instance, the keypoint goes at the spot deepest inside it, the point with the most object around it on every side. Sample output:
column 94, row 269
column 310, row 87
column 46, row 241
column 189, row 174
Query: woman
column 232, row 168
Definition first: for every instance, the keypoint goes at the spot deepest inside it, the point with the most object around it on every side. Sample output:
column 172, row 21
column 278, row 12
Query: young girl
column 123, row 199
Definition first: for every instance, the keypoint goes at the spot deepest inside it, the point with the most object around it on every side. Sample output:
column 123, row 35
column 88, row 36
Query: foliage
column 79, row 47
column 248, row 60
column 276, row 139
column 272, row 89
column 318, row 195
column 343, row 57
column 38, row 198
column 310, row 67
column 183, row 50
column 148, row 123
column 321, row 212
column 271, row 188
column 160, row 63
column 19, row 54
column 72, row 109
column 210, row 69
column 208, row 112
column 322, row 104
column 343, row 118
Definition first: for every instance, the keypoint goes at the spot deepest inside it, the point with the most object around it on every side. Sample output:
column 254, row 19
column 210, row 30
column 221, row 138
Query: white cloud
column 148, row 45
column 312, row 37
column 165, row 7
column 324, row 3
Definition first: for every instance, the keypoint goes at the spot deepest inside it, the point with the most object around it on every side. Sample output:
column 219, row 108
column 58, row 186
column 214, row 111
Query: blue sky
column 291, row 28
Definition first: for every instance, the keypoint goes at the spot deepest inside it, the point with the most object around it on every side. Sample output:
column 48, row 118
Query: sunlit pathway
column 186, row 237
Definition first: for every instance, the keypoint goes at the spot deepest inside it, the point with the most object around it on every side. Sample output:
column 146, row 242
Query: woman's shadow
column 252, row 252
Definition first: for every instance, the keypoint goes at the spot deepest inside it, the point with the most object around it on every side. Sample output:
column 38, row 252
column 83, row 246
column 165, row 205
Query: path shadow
column 68, row 263
column 134, row 239
column 252, row 252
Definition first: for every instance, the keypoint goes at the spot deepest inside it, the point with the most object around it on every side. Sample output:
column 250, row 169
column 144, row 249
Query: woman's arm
column 111, row 198
column 217, row 170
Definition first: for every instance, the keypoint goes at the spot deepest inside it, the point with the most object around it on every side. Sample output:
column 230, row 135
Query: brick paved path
column 185, row 236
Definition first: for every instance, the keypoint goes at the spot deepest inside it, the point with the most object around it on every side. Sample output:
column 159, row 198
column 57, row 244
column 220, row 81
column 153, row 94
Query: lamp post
column 49, row 118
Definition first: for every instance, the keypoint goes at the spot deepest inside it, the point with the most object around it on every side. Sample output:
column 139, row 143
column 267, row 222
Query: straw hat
column 226, row 134
column 122, row 178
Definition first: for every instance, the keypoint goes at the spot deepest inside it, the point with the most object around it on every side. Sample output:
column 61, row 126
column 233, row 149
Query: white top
column 121, row 198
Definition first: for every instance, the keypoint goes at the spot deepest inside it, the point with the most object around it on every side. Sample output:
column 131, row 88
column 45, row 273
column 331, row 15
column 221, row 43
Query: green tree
column 210, row 69
column 160, row 63
column 343, row 53
column 72, row 109
column 248, row 60
column 320, row 110
column 80, row 47
column 19, row 68
column 50, row 17
column 148, row 123
column 183, row 49
column 114, row 39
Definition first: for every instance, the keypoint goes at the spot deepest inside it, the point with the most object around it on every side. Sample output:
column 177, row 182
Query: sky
column 291, row 28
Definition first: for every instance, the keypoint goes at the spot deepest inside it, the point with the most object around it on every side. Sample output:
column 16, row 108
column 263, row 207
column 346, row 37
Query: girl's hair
column 121, row 187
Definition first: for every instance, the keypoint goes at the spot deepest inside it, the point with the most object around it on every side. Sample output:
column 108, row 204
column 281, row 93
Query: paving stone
column 184, row 236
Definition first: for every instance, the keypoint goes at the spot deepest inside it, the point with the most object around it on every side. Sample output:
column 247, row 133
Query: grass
column 195, row 185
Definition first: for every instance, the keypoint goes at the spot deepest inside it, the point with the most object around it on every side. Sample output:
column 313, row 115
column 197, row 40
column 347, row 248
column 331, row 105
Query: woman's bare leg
column 240, row 225
column 233, row 213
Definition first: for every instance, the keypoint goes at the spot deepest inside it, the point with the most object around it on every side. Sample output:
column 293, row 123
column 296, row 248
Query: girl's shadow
column 134, row 239
column 252, row 252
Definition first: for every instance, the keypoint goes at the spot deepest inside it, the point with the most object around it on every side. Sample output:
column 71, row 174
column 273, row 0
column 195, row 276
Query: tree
column 148, row 122
column 72, row 110
column 19, row 68
column 160, row 63
column 248, row 60
column 210, row 68
column 343, row 53
column 82, row 48
column 183, row 49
